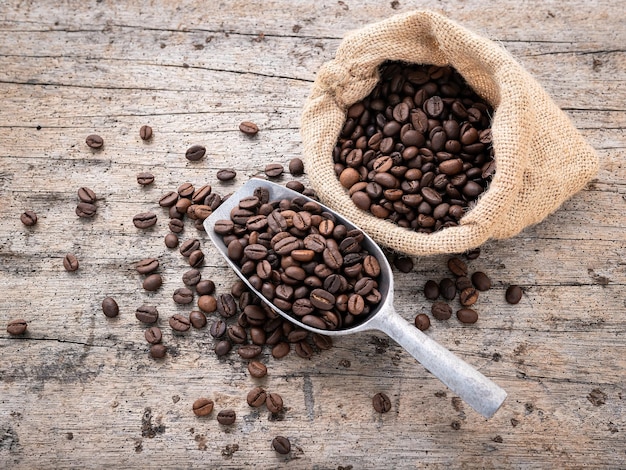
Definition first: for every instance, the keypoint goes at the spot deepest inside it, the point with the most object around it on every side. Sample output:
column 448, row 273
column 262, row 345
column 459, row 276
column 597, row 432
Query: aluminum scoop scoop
column 474, row 388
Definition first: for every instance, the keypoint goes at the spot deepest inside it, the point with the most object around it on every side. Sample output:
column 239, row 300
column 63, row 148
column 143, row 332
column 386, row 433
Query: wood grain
column 80, row 391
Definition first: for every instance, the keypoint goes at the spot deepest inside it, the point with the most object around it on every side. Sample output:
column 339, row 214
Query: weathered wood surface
column 80, row 390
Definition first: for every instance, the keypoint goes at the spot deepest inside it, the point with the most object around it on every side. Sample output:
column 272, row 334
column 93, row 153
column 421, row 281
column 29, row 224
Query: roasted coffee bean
column 152, row 282
column 281, row 445
column 205, row 287
column 171, row 240
column 145, row 220
column 447, row 288
column 481, row 281
column 257, row 396
column 196, row 259
column 457, row 267
column 431, row 290
column 17, row 327
column 70, row 262
column 296, row 167
column 248, row 128
column 94, row 141
column 381, row 403
column 195, row 153
column 147, row 266
column 274, row 403
column 273, row 170
column 282, row 348
column 176, row 225
column 223, row 347
column 441, row 310
column 322, row 342
column 249, row 351
column 158, row 351
column 226, row 305
column 467, row 315
column 147, row 314
column 28, row 218
column 183, row 296
column 169, row 199
column 404, row 264
column 145, row 178
column 206, row 302
column 86, row 210
column 257, row 370
column 110, row 307
column 202, row 407
column 86, row 195
column 472, row 254
column 422, row 322
column 191, row 277
column 145, row 132
column 513, row 294
column 463, row 282
column 237, row 334
column 186, row 190
column 153, row 335
column 226, row 174
column 468, row 296
column 218, row 328
column 197, row 319
column 303, row 350
column 179, row 322
column 226, row 417
column 189, row 246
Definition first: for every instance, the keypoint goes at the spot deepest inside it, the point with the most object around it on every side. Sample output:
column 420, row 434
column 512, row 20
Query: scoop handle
column 473, row 387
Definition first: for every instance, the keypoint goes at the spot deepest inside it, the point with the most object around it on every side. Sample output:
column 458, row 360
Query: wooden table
column 79, row 390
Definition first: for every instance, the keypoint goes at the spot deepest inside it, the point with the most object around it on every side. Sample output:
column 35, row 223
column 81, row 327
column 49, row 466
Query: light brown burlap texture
column 541, row 159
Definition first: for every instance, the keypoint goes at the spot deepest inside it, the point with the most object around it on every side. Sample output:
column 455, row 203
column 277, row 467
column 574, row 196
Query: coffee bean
column 191, row 277
column 169, row 199
column 158, row 351
column 226, row 417
column 176, row 225
column 296, row 167
column 281, row 445
column 422, row 322
column 189, row 246
column 17, row 327
column 145, row 178
column 447, row 288
column 86, row 195
column 513, row 294
column 468, row 296
column 110, row 307
column 249, row 351
column 85, row 210
column 441, row 310
column 145, row 132
column 144, row 220
column 206, row 303
column 205, row 287
column 226, row 174
column 171, row 240
column 223, row 347
column 94, row 141
column 257, row 369
column 381, row 403
column 147, row 314
column 467, row 315
column 274, row 403
column 431, row 290
column 196, row 258
column 147, row 266
column 179, row 323
column 457, row 267
column 237, row 334
column 274, row 170
column 481, row 281
column 226, row 305
column 70, row 262
column 403, row 264
column 197, row 319
column 281, row 349
column 472, row 254
column 28, row 218
column 153, row 335
column 202, row 407
column 152, row 282
column 183, row 296
column 256, row 397
column 218, row 328
column 248, row 128
column 322, row 342
column 195, row 153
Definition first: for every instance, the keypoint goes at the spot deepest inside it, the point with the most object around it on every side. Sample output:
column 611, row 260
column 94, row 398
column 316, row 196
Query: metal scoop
column 474, row 388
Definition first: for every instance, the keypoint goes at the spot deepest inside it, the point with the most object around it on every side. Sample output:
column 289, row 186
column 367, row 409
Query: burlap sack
column 541, row 159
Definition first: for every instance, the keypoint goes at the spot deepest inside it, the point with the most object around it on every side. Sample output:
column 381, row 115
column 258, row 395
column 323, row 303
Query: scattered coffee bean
column 145, row 178
column 179, row 323
column 205, row 287
column 274, row 403
column 169, row 199
column 513, row 294
column 197, row 319
column 431, row 290
column 196, row 259
column 256, row 397
column 322, row 342
column 206, row 303
column 468, row 296
column 85, row 210
column 481, row 281
column 381, row 403
column 183, row 296
column 223, row 347
column 295, row 186
column 447, row 288
column 441, row 310
column 467, row 315
column 472, row 254
column 158, row 351
column 257, row 369
column 249, row 351
column 202, row 407
column 404, row 264
column 281, row 445
column 218, row 328
column 171, row 240
column 110, row 307
column 145, row 132
column 422, row 322
column 17, row 327
column 191, row 277
column 152, row 282
column 147, row 314
column 176, row 226
column 249, row 128
column 274, row 170
column 281, row 349
column 94, row 141
column 147, row 266
column 457, row 267
column 189, row 246
column 226, row 417
column 70, row 262
column 153, row 335
column 86, row 195
column 195, row 153
column 296, row 167
column 28, row 218
column 145, row 220
column 462, row 283
column 226, row 175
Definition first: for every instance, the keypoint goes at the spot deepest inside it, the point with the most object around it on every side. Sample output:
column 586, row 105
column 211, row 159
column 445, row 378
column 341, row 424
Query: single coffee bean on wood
column 462, row 283
column 205, row 287
column 158, row 351
column 457, row 267
column 481, row 281
column 147, row 265
column 257, row 369
column 28, row 218
column 179, row 323
column 195, row 153
column 447, row 288
column 274, row 170
column 145, row 178
column 248, row 128
column 17, row 327
column 468, row 296
column 207, row 303
column 274, row 403
column 153, row 335
column 144, row 220
column 94, row 141
column 191, row 277
column 189, row 246
column 86, row 195
column 147, row 314
column 85, row 210
column 322, row 342
column 467, row 315
column 381, row 402
column 513, row 294
column 152, row 282
column 226, row 174
column 197, row 319
column 218, row 328
column 171, row 240
column 281, row 445
column 431, row 290
column 202, row 406
column 169, row 199
column 249, row 351
column 110, row 307
column 223, row 347
column 404, row 264
column 145, row 132
column 441, row 310
column 70, row 262
column 422, row 322
column 226, row 417
column 196, row 258
column 256, row 397
column 183, row 295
